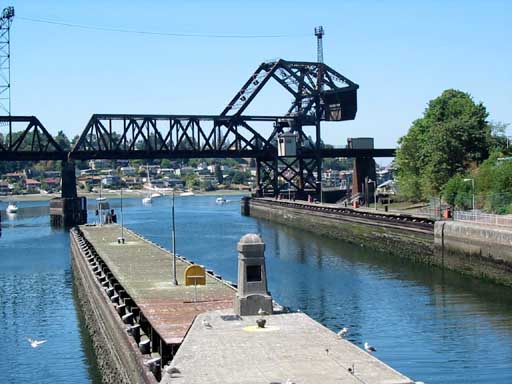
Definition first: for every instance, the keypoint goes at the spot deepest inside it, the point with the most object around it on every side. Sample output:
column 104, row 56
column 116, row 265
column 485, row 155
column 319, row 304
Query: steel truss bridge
column 319, row 93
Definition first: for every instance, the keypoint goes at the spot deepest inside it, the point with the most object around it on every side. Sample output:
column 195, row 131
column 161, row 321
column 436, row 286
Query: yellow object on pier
column 195, row 275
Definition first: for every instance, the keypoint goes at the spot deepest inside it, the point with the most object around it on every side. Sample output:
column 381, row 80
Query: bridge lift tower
column 5, row 60
column 319, row 33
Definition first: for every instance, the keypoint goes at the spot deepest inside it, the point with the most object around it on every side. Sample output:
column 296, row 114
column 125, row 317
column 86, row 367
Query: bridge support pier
column 68, row 210
column 364, row 170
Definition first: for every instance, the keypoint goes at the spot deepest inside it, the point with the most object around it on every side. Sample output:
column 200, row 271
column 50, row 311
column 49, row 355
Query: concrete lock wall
column 474, row 249
column 116, row 353
column 480, row 251
column 410, row 244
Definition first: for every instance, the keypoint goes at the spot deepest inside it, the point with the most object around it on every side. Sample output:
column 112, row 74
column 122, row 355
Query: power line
column 155, row 33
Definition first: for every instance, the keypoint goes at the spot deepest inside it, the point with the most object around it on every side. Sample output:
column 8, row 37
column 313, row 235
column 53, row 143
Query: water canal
column 433, row 326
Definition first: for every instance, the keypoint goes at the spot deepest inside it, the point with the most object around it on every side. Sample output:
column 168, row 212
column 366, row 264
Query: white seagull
column 35, row 343
column 369, row 348
column 206, row 324
column 343, row 332
column 261, row 312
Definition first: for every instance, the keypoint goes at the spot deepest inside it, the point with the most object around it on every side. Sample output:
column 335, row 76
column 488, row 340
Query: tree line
column 452, row 148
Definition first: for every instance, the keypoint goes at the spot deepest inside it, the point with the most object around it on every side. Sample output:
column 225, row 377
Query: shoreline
column 116, row 194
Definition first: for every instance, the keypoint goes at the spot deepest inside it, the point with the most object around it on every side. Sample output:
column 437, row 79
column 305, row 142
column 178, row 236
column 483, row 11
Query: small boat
column 156, row 194
column 147, row 200
column 12, row 208
column 188, row 193
column 221, row 200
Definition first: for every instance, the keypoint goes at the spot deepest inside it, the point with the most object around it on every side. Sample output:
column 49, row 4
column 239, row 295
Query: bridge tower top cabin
column 5, row 60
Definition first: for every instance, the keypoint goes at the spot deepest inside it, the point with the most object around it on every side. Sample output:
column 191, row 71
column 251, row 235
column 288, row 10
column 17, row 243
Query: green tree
column 458, row 193
column 452, row 136
column 165, row 163
column 63, row 141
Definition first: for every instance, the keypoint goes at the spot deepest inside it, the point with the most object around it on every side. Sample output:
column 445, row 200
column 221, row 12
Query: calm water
column 433, row 326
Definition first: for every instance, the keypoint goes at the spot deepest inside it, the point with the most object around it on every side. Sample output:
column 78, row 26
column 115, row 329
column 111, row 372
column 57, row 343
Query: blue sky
column 401, row 53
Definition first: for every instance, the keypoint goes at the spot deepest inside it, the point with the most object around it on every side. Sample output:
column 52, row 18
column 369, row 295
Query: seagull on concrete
column 261, row 312
column 369, row 348
column 206, row 324
column 341, row 334
column 172, row 371
column 35, row 343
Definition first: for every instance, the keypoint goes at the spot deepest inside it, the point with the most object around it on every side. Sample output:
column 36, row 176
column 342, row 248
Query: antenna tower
column 5, row 60
column 319, row 33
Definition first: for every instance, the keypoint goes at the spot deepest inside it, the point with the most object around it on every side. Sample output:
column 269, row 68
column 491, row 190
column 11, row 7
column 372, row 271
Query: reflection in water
column 433, row 325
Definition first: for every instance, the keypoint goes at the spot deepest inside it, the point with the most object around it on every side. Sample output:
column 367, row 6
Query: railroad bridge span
column 319, row 93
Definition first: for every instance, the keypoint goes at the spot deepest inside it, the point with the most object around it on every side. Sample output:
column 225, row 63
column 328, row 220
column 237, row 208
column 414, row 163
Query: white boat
column 147, row 200
column 188, row 193
column 221, row 200
column 156, row 194
column 12, row 208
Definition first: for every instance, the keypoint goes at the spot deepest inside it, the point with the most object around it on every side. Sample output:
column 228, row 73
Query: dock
column 146, row 329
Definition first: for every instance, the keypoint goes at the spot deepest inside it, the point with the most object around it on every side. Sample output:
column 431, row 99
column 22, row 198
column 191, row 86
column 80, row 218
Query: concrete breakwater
column 146, row 329
column 408, row 237
column 475, row 249
column 480, row 251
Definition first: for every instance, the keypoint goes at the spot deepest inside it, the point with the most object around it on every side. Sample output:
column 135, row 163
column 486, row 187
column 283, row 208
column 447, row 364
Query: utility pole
column 5, row 60
column 319, row 33
column 174, row 277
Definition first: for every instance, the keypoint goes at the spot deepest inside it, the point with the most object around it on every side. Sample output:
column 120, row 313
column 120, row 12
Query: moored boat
column 12, row 207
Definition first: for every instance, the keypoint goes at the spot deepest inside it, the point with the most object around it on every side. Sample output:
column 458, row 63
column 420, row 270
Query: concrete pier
column 146, row 329
column 69, row 209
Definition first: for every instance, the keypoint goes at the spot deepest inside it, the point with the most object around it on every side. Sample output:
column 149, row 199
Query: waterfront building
column 4, row 188
column 32, row 185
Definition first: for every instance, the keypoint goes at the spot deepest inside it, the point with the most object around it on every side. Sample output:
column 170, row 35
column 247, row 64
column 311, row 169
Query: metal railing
column 483, row 218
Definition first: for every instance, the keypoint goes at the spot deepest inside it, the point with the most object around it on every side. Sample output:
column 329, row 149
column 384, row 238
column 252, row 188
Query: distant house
column 52, row 182
column 385, row 174
column 4, row 188
column 32, row 186
column 15, row 176
column 166, row 172
column 99, row 164
column 55, row 174
column 111, row 180
column 202, row 171
column 153, row 169
column 132, row 182
column 89, row 180
column 175, row 183
column 88, row 171
column 184, row 171
column 128, row 171
column 159, row 183
column 208, row 178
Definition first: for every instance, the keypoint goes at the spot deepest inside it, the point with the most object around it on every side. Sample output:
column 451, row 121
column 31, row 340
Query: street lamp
column 120, row 240
column 374, row 192
column 174, row 279
column 473, row 191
